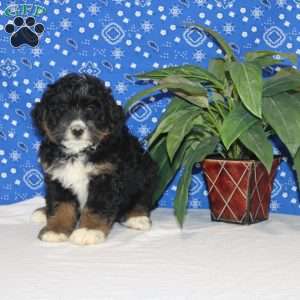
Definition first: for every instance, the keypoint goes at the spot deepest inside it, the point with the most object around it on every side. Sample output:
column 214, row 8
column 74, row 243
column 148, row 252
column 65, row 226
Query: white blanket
column 206, row 260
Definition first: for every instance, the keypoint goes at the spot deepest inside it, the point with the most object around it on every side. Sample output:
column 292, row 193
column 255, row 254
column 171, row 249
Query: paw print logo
column 24, row 32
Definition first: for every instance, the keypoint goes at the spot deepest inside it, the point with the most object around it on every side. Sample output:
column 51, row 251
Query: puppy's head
column 77, row 111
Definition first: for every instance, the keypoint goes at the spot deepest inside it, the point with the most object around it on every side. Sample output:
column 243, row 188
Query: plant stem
column 234, row 152
column 230, row 103
column 220, row 109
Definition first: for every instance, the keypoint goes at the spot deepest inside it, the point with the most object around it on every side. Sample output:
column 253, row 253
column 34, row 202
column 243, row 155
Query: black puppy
column 95, row 170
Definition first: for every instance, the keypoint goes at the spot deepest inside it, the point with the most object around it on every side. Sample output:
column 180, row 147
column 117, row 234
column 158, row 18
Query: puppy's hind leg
column 39, row 216
column 137, row 218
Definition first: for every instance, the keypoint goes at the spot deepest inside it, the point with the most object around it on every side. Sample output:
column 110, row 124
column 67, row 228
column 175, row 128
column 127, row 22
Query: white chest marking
column 75, row 176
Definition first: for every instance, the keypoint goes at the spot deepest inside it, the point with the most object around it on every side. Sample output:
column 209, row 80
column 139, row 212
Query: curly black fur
column 111, row 195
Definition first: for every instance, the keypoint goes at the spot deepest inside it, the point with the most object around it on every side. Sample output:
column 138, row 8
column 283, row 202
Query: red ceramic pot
column 239, row 191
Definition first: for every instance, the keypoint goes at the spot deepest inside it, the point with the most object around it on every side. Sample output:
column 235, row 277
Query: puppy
column 96, row 172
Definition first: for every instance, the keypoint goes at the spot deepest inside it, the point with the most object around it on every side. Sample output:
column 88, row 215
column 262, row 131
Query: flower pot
column 239, row 191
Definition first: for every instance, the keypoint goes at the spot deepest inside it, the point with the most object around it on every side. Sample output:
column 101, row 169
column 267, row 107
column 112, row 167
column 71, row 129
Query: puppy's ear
column 117, row 117
column 37, row 115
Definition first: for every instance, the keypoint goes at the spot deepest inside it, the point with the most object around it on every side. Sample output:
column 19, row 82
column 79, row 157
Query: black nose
column 77, row 132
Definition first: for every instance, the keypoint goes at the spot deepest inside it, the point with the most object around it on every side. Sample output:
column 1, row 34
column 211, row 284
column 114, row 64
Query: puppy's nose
column 77, row 132
column 77, row 128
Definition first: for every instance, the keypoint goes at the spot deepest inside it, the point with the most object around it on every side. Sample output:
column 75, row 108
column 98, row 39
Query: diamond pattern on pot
column 227, row 186
column 261, row 187
column 239, row 191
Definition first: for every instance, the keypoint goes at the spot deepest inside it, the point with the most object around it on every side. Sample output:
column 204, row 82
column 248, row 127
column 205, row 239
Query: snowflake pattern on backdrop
column 115, row 40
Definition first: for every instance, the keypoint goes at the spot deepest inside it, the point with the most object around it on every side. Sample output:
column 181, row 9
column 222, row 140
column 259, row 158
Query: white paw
column 39, row 216
column 53, row 237
column 84, row 236
column 140, row 223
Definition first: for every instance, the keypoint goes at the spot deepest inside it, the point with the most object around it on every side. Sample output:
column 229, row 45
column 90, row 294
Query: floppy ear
column 114, row 113
column 37, row 116
column 117, row 117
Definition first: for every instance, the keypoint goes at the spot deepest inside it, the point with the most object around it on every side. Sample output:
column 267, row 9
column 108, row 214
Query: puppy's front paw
column 84, row 236
column 139, row 223
column 51, row 236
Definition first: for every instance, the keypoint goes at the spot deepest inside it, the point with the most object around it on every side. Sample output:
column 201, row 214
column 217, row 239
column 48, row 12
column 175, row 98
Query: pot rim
column 275, row 157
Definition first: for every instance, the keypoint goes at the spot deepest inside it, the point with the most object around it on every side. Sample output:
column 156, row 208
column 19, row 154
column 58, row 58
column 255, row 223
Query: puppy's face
column 75, row 124
column 77, row 112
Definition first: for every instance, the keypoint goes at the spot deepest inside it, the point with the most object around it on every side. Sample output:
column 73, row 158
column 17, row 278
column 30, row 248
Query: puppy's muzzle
column 77, row 128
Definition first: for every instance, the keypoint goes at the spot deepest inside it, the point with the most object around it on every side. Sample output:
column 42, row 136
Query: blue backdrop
column 114, row 40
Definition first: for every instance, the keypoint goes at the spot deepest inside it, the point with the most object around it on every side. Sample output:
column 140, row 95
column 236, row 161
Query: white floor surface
column 205, row 260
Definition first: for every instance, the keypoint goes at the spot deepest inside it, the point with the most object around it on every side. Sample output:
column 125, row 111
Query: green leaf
column 173, row 83
column 168, row 122
column 264, row 62
column 256, row 140
column 253, row 56
column 219, row 39
column 181, row 153
column 136, row 98
column 201, row 150
column 194, row 154
column 197, row 134
column 182, row 193
column 186, row 71
column 165, row 171
column 286, row 72
column 217, row 68
column 191, row 91
column 190, row 142
column 235, row 123
column 189, row 87
column 179, row 131
column 297, row 166
column 247, row 78
column 216, row 97
column 176, row 104
column 282, row 113
column 200, row 101
column 280, row 83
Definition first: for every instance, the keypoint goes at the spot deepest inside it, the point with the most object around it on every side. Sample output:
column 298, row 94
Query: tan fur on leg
column 61, row 224
column 93, row 229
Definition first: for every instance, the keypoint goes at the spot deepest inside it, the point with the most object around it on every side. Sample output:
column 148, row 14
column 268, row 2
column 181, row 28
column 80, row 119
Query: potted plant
column 224, row 117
